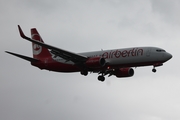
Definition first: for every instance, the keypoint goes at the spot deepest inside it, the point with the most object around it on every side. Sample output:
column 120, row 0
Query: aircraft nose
column 168, row 56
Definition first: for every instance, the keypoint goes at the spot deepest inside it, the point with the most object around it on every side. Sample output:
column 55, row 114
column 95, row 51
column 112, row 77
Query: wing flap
column 57, row 51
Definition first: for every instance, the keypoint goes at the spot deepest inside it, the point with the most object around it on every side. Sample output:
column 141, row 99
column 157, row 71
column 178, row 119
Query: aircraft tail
column 39, row 52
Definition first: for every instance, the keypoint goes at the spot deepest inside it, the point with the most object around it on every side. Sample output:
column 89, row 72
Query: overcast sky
column 27, row 93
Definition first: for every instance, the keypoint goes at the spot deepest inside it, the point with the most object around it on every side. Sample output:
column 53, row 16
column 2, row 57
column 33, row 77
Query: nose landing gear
column 156, row 65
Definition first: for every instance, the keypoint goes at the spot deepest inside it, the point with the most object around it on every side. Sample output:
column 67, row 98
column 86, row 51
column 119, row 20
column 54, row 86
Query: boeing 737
column 117, row 62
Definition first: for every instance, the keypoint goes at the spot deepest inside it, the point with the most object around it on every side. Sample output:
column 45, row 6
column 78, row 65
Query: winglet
column 21, row 33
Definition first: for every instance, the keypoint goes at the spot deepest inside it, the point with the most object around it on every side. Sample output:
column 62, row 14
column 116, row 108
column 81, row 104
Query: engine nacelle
column 95, row 62
column 124, row 72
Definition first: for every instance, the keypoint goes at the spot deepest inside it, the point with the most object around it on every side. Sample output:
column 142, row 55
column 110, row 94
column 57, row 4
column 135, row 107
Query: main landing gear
column 101, row 78
column 85, row 73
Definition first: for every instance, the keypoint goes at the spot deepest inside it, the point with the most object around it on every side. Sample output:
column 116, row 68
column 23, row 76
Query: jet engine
column 124, row 72
column 95, row 62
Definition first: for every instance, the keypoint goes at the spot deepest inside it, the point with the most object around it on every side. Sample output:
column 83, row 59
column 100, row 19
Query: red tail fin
column 39, row 52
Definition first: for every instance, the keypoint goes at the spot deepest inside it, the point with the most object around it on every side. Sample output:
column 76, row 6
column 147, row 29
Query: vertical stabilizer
column 39, row 52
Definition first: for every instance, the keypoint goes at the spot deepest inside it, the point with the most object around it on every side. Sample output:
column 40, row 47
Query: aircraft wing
column 69, row 56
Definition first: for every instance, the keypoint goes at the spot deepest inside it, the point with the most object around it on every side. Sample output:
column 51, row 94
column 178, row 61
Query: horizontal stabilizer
column 23, row 57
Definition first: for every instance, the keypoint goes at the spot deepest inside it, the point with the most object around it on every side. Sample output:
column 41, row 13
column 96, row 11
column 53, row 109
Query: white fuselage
column 130, row 57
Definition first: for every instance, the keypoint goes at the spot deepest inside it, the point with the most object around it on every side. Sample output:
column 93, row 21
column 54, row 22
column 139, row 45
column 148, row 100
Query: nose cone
column 168, row 56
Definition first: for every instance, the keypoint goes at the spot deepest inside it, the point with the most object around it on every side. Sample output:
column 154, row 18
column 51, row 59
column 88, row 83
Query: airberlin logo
column 124, row 53
column 37, row 49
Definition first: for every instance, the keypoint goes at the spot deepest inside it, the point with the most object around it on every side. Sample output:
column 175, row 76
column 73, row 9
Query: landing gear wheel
column 101, row 78
column 85, row 73
column 154, row 70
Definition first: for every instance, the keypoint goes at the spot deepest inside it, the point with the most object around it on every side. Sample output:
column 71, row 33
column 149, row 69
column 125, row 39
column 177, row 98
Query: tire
column 101, row 78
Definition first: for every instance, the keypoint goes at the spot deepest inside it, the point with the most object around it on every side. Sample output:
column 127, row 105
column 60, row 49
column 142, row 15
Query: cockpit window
column 160, row 50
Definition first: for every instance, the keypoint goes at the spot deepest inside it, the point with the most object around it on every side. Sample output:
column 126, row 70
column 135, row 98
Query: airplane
column 117, row 62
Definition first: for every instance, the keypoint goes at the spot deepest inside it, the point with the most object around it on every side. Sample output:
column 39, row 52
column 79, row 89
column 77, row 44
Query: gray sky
column 28, row 93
